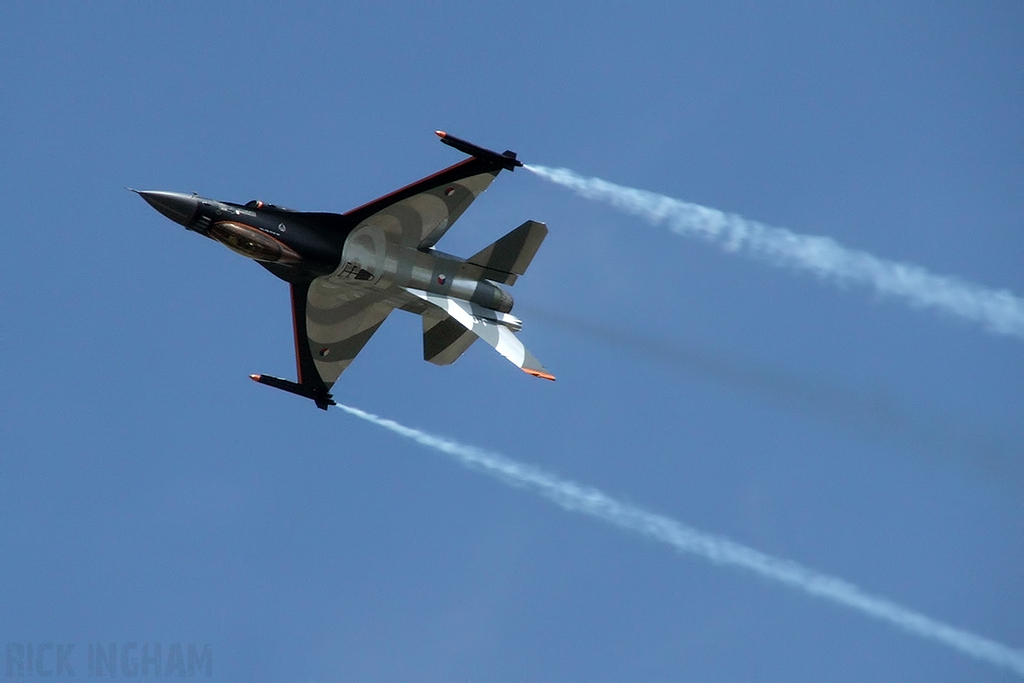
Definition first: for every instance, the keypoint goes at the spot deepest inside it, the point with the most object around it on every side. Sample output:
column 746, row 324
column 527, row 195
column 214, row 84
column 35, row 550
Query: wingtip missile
column 322, row 398
column 506, row 159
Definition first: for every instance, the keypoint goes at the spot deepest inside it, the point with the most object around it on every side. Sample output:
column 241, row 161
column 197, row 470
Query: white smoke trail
column 592, row 502
column 998, row 311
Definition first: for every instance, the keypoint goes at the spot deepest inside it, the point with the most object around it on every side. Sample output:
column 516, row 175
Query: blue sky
column 150, row 492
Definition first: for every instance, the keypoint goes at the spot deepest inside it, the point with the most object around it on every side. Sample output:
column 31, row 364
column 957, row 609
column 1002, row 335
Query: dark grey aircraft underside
column 349, row 271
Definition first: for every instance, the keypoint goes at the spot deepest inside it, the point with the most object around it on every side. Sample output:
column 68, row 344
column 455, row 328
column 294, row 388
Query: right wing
column 337, row 322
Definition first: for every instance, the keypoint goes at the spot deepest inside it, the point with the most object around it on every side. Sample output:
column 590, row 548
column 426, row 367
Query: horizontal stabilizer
column 444, row 338
column 493, row 327
column 509, row 257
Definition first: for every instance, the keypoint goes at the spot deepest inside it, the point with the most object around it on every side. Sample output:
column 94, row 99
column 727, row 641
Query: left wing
column 419, row 214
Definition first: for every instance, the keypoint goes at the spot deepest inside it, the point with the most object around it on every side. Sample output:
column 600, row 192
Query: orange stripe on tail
column 538, row 373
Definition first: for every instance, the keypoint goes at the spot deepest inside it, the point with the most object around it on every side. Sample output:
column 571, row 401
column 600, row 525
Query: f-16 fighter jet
column 349, row 271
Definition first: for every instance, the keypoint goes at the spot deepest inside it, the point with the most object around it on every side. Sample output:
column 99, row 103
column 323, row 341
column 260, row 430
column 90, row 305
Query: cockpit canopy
column 260, row 204
column 252, row 243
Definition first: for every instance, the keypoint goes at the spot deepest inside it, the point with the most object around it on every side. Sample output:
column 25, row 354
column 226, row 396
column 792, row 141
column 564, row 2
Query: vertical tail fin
column 509, row 257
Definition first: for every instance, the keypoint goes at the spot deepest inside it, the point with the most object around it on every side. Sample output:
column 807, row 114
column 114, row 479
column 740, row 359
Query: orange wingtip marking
column 440, row 133
column 255, row 378
column 538, row 373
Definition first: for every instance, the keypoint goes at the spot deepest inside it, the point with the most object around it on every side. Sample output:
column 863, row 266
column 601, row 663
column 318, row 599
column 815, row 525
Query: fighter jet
column 348, row 271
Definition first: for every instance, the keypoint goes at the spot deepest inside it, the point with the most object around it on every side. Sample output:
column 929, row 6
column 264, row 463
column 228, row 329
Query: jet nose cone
column 180, row 208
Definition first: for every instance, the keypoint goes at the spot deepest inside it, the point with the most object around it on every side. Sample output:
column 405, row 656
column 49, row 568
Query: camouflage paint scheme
column 349, row 271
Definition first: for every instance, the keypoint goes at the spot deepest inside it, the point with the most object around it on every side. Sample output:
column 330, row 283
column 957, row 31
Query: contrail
column 590, row 501
column 998, row 311
column 871, row 413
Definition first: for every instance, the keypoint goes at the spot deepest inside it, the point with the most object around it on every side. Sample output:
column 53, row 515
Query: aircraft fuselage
column 298, row 246
column 348, row 271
